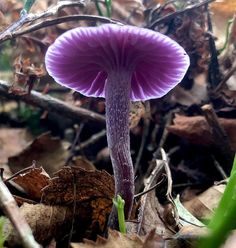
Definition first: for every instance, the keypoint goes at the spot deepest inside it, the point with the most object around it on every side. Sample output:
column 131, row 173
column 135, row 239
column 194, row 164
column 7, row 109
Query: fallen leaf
column 188, row 237
column 115, row 240
column 82, row 162
column 152, row 215
column 12, row 141
column 33, row 181
column 137, row 111
column 46, row 222
column 203, row 205
column 46, row 150
column 196, row 129
column 93, row 190
column 26, row 72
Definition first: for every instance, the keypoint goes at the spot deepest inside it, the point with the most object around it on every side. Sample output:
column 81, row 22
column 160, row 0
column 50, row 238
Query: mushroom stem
column 117, row 94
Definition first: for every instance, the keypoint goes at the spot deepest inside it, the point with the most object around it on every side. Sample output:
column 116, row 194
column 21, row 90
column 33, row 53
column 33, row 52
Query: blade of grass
column 99, row 10
column 223, row 220
column 108, row 7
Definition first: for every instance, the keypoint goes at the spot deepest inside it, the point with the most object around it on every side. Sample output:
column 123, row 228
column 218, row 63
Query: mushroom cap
column 81, row 59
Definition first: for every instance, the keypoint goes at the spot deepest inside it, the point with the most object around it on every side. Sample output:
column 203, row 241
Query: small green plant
column 227, row 35
column 223, row 222
column 119, row 204
column 108, row 8
column 27, row 6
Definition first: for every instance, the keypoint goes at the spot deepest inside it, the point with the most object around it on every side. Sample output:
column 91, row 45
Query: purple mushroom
column 120, row 63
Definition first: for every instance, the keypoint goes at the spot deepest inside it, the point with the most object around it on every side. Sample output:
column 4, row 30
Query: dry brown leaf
column 82, row 162
column 130, row 11
column 33, row 181
column 26, row 73
column 137, row 111
column 188, row 237
column 197, row 131
column 12, row 141
column 91, row 190
column 223, row 7
column 203, row 205
column 152, row 215
column 115, row 240
column 46, row 150
column 46, row 222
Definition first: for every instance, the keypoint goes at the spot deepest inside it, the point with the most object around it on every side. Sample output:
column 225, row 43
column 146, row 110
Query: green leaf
column 186, row 215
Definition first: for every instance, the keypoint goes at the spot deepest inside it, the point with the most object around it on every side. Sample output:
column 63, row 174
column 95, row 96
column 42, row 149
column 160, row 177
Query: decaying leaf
column 26, row 73
column 152, row 215
column 196, row 129
column 46, row 222
column 116, row 240
column 132, row 11
column 187, row 237
column 12, row 141
column 33, row 181
column 46, row 150
column 93, row 190
column 137, row 111
column 82, row 162
column 203, row 205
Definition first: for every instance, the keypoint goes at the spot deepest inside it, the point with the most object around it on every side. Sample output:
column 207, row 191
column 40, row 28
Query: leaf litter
column 69, row 200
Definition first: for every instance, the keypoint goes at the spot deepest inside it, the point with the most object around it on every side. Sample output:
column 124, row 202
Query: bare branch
column 12, row 211
column 51, row 104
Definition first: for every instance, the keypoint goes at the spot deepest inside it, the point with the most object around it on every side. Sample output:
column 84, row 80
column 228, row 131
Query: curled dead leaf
column 91, row 190
column 202, row 206
column 12, row 141
column 33, row 181
column 46, row 222
column 196, row 129
column 46, row 150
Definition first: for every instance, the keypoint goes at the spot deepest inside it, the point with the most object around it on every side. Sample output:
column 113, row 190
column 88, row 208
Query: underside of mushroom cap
column 81, row 59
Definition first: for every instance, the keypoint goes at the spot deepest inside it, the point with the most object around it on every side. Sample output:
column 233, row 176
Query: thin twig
column 151, row 180
column 221, row 140
column 56, row 21
column 12, row 211
column 169, row 186
column 52, row 104
column 93, row 139
column 225, row 79
column 177, row 13
column 20, row 172
column 17, row 28
column 27, row 18
column 219, row 168
column 150, row 189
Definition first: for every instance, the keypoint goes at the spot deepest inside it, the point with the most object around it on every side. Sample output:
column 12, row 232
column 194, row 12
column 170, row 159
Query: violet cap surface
column 81, row 59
